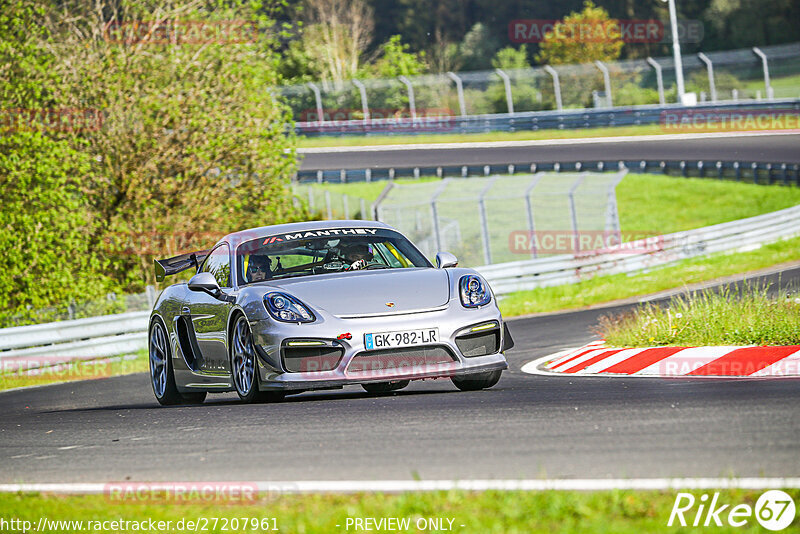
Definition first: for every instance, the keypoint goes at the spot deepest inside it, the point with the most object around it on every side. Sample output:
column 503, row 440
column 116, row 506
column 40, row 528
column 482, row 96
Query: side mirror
column 445, row 260
column 205, row 282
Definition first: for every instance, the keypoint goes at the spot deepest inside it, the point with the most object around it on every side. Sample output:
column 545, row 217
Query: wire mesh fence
column 501, row 219
column 415, row 103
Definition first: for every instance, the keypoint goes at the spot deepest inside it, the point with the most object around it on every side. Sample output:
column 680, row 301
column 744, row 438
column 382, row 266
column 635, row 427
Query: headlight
column 474, row 291
column 287, row 309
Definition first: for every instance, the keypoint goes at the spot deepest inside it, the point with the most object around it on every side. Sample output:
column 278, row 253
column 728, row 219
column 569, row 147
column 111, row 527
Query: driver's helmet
column 357, row 251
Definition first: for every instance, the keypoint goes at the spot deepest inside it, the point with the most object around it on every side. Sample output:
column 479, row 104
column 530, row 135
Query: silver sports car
column 320, row 305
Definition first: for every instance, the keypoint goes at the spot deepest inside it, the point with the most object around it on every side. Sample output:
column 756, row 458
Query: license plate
column 400, row 338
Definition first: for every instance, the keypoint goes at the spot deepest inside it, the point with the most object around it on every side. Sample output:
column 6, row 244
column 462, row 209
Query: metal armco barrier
column 757, row 172
column 744, row 234
column 43, row 345
column 669, row 115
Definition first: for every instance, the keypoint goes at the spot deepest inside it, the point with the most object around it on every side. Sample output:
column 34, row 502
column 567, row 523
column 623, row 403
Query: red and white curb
column 596, row 359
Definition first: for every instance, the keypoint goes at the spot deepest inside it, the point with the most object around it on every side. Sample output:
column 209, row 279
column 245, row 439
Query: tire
column 385, row 387
column 244, row 371
column 477, row 381
column 162, row 377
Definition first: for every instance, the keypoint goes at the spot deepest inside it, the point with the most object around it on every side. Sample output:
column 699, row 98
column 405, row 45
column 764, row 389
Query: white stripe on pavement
column 614, row 359
column 394, row 486
column 685, row 361
column 788, row 366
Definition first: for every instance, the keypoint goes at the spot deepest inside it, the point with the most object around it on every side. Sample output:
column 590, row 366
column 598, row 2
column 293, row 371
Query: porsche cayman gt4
column 320, row 305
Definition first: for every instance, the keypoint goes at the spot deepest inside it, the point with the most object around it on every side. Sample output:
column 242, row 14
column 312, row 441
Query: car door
column 209, row 316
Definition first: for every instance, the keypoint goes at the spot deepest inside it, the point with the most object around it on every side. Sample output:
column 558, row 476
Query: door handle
column 185, row 310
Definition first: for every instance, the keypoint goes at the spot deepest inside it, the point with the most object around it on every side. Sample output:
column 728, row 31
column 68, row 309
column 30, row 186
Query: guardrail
column 744, row 234
column 757, row 172
column 669, row 115
column 47, row 344
column 42, row 345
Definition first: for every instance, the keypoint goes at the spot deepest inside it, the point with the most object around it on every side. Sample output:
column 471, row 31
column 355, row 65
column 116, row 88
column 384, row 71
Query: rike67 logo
column 774, row 510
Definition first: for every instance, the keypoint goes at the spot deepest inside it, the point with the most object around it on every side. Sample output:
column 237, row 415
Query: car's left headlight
column 474, row 291
column 286, row 308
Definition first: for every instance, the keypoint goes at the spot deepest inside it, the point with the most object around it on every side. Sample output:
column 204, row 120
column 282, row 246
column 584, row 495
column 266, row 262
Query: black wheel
column 476, row 381
column 385, row 387
column 162, row 377
column 243, row 366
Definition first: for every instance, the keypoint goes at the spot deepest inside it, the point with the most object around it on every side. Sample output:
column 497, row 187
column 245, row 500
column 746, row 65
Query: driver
column 258, row 268
column 357, row 255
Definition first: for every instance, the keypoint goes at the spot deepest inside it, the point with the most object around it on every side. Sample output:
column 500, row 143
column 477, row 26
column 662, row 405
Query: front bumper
column 452, row 321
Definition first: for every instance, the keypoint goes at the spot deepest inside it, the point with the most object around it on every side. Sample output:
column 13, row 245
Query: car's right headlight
column 286, row 308
column 474, row 291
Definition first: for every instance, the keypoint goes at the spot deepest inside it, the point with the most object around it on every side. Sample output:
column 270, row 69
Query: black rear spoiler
column 180, row 263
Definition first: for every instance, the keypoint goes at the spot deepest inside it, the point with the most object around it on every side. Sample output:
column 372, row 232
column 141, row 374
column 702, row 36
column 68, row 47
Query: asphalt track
column 525, row 427
column 784, row 148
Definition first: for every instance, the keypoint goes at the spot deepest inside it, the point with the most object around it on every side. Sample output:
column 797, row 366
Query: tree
column 336, row 34
column 582, row 37
column 187, row 144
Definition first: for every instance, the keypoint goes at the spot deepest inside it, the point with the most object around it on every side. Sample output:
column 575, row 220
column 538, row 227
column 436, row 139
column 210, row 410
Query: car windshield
column 324, row 252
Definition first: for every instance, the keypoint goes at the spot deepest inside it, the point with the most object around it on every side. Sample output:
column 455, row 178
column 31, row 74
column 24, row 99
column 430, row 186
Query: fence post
column 460, row 89
column 435, row 214
column 612, row 214
column 765, row 65
column 507, row 84
column 345, row 206
column 487, row 253
column 318, row 98
column 556, row 85
column 659, row 79
column 412, row 106
column 572, row 212
column 529, row 208
column 151, row 295
column 376, row 206
column 364, row 104
column 363, row 210
column 710, row 66
column 606, row 81
column 328, row 204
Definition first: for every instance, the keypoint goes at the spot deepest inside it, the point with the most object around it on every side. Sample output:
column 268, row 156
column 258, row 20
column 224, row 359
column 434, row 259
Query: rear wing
column 180, row 263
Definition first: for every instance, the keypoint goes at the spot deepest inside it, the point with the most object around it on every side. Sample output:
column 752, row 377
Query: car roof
column 241, row 236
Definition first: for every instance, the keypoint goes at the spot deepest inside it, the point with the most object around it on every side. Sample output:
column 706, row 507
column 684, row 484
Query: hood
column 368, row 292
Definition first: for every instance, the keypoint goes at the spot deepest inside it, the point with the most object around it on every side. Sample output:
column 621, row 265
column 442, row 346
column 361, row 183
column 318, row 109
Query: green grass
column 481, row 512
column 81, row 370
column 602, row 289
column 724, row 317
column 783, row 86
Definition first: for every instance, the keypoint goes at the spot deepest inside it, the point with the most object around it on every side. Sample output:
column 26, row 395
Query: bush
column 47, row 258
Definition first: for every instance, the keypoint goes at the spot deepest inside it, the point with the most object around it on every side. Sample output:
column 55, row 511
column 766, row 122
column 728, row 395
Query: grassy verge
column 528, row 135
column 724, row 317
column 82, row 370
column 484, row 512
column 603, row 289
